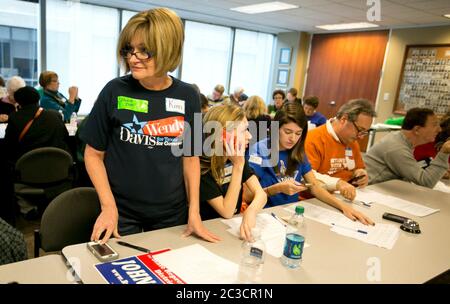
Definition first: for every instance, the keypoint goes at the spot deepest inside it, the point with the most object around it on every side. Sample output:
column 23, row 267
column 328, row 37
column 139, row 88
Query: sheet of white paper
column 440, row 186
column 368, row 195
column 197, row 265
column 382, row 235
column 273, row 233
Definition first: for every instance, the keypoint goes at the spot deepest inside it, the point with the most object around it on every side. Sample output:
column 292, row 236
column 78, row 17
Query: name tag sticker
column 132, row 104
column 175, row 105
column 255, row 159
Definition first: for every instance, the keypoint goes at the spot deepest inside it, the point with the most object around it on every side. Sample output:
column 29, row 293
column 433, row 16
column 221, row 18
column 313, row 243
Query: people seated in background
column 332, row 148
column 427, row 152
column 256, row 111
column 310, row 105
column 278, row 97
column 283, row 181
column 46, row 128
column 7, row 104
column 53, row 99
column 392, row 157
column 217, row 97
column 224, row 169
column 291, row 96
column 235, row 98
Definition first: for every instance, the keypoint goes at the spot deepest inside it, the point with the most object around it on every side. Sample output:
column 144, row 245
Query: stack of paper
column 273, row 233
column 197, row 265
column 368, row 195
column 382, row 235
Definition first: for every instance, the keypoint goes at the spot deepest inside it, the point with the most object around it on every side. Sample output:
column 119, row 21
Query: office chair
column 42, row 174
column 67, row 220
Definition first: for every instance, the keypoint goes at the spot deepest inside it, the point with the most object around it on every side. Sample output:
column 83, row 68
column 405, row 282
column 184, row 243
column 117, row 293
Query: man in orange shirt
column 332, row 148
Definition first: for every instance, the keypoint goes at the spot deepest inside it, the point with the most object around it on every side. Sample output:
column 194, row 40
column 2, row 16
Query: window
column 251, row 63
column 18, row 40
column 81, row 47
column 206, row 55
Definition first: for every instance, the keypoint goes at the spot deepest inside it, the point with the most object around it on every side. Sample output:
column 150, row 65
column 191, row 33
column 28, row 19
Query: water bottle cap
column 299, row 209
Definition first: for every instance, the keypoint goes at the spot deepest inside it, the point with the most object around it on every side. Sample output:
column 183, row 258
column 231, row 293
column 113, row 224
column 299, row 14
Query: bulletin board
column 425, row 79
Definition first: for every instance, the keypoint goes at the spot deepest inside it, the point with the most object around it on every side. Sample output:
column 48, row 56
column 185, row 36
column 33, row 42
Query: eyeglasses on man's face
column 127, row 53
column 360, row 131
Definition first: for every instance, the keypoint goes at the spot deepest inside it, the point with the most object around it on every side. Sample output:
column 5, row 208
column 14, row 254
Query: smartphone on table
column 103, row 252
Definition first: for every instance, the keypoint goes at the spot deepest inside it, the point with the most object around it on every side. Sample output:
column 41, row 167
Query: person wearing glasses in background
column 135, row 121
column 332, row 148
column 52, row 99
column 278, row 97
column 393, row 158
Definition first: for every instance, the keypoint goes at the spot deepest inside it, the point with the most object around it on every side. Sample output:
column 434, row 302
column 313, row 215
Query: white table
column 49, row 269
column 331, row 258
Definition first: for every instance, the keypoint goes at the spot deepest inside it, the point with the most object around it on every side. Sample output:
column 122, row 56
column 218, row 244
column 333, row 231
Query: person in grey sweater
column 392, row 157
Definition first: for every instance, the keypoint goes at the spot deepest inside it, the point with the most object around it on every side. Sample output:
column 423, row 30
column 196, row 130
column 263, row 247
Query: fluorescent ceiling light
column 447, row 15
column 346, row 26
column 264, row 7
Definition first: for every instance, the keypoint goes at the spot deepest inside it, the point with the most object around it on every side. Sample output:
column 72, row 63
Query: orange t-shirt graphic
column 328, row 156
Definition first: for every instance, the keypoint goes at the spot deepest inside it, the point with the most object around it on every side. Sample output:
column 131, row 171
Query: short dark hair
column 416, row 117
column 293, row 92
column 312, row 101
column 2, row 82
column 26, row 95
column 203, row 101
column 276, row 92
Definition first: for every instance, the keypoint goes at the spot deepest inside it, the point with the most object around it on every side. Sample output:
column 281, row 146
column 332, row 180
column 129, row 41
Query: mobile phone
column 227, row 137
column 355, row 178
column 103, row 252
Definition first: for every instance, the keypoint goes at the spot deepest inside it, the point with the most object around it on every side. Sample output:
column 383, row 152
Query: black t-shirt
column 209, row 189
column 136, row 129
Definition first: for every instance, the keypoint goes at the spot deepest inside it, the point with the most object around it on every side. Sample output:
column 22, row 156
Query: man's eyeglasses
column 142, row 55
column 361, row 131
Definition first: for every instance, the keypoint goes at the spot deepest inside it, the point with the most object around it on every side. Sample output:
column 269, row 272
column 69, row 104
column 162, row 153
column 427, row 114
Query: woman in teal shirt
column 53, row 99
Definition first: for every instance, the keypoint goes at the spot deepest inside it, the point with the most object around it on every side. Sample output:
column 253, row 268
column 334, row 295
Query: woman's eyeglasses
column 142, row 55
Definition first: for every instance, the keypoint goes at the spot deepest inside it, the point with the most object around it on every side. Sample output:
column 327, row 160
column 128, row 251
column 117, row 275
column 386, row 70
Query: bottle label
column 256, row 252
column 293, row 247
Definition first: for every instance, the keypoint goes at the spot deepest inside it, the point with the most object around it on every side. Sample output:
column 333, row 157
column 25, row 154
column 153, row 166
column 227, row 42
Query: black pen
column 133, row 246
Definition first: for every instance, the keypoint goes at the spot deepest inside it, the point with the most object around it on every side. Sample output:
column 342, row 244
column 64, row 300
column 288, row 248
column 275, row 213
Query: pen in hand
column 134, row 246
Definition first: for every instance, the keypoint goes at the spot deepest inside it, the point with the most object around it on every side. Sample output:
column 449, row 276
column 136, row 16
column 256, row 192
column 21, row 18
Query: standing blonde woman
column 225, row 170
column 136, row 119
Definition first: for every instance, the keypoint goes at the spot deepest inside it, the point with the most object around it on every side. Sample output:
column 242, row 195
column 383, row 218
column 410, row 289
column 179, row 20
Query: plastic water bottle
column 73, row 119
column 295, row 239
column 252, row 259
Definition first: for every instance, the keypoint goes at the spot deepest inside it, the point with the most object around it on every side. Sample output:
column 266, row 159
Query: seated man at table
column 332, row 148
column 392, row 157
column 46, row 128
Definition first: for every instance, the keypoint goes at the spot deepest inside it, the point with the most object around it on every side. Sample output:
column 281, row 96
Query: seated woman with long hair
column 224, row 169
column 282, row 181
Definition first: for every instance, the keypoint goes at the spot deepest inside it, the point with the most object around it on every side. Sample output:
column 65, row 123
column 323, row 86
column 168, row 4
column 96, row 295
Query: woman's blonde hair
column 162, row 33
column 254, row 107
column 46, row 78
column 225, row 115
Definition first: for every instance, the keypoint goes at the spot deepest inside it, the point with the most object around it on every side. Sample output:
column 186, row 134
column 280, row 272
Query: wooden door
column 345, row 66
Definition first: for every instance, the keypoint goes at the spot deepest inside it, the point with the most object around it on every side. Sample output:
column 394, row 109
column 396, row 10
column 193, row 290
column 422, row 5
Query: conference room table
column 49, row 269
column 331, row 258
